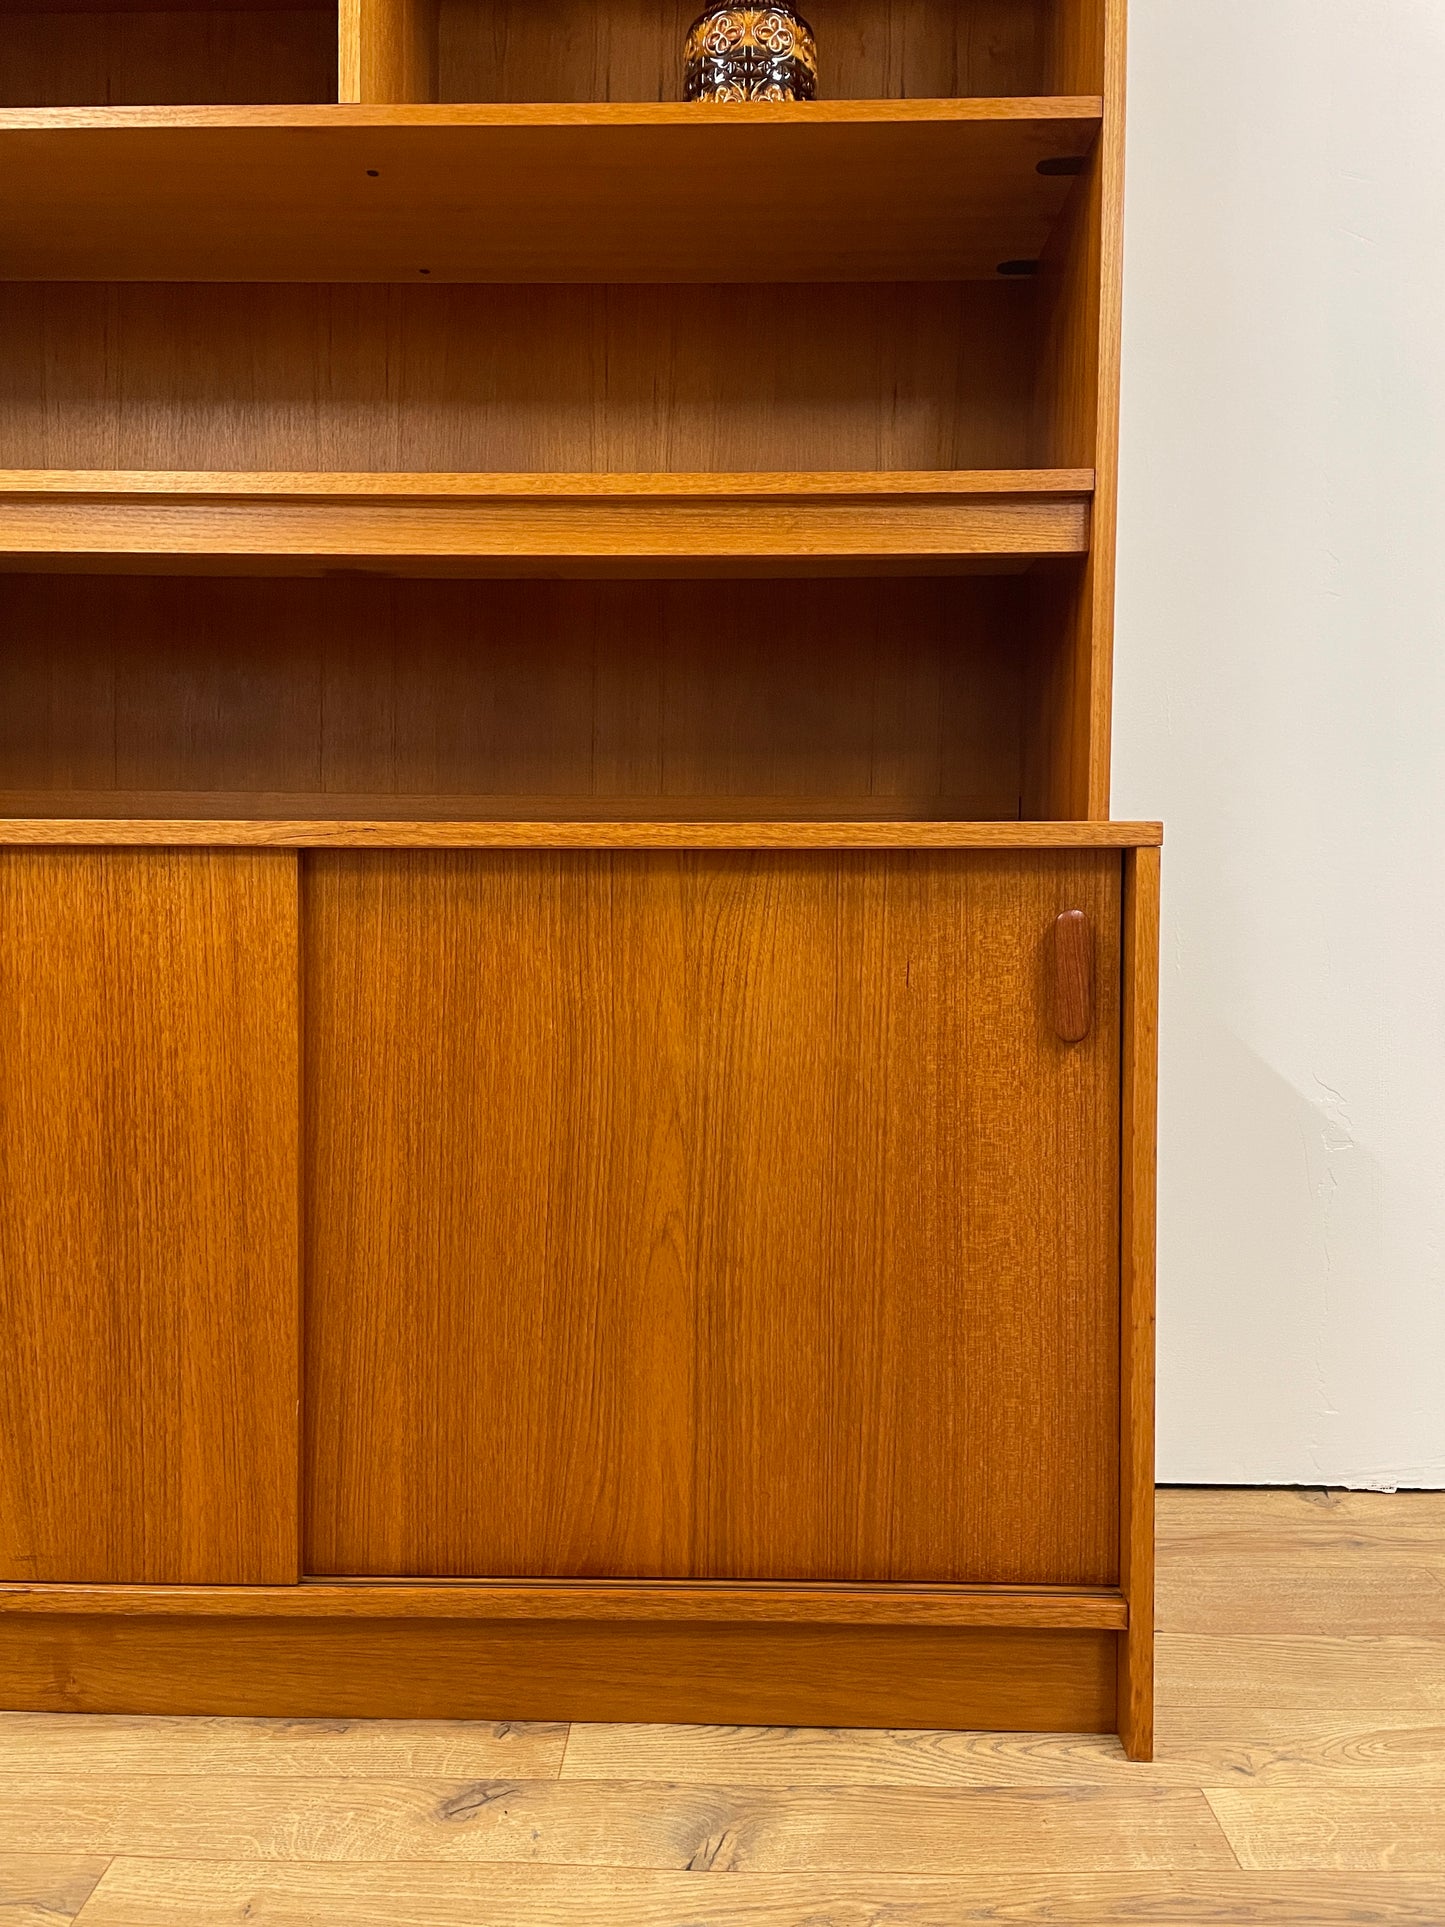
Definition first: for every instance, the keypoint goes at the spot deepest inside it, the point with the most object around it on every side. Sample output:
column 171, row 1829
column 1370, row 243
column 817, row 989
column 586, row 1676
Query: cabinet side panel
column 148, row 1242
column 1141, row 1059
column 1081, row 290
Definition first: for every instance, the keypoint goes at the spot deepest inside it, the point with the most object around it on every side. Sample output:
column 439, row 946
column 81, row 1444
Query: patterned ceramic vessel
column 751, row 53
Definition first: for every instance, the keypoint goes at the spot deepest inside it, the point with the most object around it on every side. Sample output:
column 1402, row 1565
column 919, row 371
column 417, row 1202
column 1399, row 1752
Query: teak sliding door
column 148, row 1235
column 735, row 1214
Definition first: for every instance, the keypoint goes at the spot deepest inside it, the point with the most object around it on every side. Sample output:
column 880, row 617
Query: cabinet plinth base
column 990, row 1678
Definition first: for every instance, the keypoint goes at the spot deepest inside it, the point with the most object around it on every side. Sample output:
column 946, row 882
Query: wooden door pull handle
column 1073, row 975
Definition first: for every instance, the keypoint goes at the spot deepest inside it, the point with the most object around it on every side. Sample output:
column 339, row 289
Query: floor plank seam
column 1224, row 1833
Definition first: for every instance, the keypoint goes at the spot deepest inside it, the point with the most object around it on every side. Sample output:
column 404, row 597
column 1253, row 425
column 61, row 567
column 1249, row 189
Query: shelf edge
column 547, row 114
column 379, row 485
column 696, row 1601
column 598, row 835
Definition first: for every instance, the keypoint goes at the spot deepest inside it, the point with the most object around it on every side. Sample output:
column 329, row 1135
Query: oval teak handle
column 1073, row 975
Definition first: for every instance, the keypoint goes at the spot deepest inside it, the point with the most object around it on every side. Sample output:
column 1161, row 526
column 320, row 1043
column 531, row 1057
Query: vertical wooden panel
column 907, row 1248
column 136, row 375
column 1081, row 288
column 499, row 1306
column 148, row 1242
column 240, row 696
column 709, row 1215
column 154, row 56
column 1141, row 1061
column 387, row 50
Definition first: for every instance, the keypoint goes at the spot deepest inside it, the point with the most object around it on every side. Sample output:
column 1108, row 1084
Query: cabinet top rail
column 381, row 484
column 732, row 117
column 291, row 833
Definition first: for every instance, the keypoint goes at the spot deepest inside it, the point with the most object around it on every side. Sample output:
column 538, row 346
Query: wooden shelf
column 350, row 833
column 539, row 524
column 678, row 1601
column 832, row 190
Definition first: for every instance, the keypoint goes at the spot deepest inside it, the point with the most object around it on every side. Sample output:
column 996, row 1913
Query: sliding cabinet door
column 702, row 1215
column 149, row 1230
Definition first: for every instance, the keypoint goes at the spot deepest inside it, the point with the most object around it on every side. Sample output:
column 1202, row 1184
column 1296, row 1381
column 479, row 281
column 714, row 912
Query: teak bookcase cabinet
column 576, row 1037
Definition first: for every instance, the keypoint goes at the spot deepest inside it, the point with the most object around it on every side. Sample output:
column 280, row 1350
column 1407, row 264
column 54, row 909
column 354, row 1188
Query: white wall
column 1281, row 703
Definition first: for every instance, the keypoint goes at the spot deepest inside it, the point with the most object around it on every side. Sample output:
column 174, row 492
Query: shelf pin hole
column 1018, row 267
column 1063, row 164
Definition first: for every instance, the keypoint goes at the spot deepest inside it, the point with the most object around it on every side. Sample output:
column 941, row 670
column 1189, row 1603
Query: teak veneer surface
column 911, row 376
column 874, row 191
column 1137, row 1241
column 518, row 523
column 576, row 50
column 701, row 1602
column 596, row 833
column 992, row 1678
column 148, row 1241
column 807, row 1211
column 74, row 53
column 694, row 1184
column 384, row 485
column 497, row 702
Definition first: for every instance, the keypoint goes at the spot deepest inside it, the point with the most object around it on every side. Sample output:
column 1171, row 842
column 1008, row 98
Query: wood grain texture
column 1330, row 1807
column 1081, row 292
column 1297, row 1827
column 1229, row 1746
column 384, row 485
column 1304, row 1673
column 1136, row 1274
column 767, row 701
column 518, row 525
column 725, row 1831
column 999, row 1679
column 917, row 376
column 1197, row 1746
column 723, row 1039
column 1230, row 1524
column 520, row 539
column 388, row 50
column 691, row 1601
column 39, row 1889
column 191, row 1893
column 278, row 1749
column 1327, row 1593
column 148, row 1155
column 151, row 56
column 569, row 50
column 592, row 835
column 1073, row 963
column 876, row 191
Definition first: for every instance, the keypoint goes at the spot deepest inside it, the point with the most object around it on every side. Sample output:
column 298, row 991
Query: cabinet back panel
column 183, row 375
column 860, row 698
column 113, row 57
column 633, row 49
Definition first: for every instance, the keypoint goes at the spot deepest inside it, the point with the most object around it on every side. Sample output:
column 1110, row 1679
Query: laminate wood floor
column 1300, row 1779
